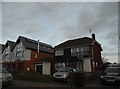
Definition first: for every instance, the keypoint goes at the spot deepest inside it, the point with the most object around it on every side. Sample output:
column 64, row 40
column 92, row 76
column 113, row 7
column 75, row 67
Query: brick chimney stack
column 93, row 36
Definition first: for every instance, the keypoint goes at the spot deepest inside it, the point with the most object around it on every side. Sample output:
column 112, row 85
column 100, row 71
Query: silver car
column 5, row 77
column 63, row 74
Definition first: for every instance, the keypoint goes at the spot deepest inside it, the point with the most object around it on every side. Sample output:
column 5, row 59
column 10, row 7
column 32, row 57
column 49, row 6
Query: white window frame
column 18, row 55
column 19, row 46
column 7, row 50
column 59, row 53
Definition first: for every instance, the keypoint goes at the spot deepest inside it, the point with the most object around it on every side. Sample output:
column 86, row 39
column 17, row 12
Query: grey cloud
column 113, row 38
column 25, row 11
column 101, row 18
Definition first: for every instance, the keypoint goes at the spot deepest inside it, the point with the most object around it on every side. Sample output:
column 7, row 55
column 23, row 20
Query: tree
column 105, row 64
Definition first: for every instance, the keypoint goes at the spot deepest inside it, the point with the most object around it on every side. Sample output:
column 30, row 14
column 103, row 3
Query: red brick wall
column 97, row 56
column 30, row 63
column 33, row 59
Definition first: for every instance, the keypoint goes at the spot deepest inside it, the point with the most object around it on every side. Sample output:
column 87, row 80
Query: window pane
column 58, row 66
column 58, row 52
column 74, row 51
column 85, row 48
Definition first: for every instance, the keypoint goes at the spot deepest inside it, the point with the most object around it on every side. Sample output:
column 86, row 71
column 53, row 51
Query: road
column 21, row 83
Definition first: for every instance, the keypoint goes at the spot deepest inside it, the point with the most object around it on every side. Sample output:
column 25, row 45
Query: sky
column 56, row 22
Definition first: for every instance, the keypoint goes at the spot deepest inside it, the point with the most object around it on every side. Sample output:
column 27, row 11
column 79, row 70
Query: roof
column 1, row 47
column 76, row 42
column 33, row 44
column 10, row 43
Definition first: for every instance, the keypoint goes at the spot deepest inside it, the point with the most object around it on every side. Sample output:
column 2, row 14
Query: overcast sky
column 56, row 22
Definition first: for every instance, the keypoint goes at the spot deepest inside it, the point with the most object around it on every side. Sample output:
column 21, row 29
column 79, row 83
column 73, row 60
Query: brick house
column 84, row 54
column 28, row 56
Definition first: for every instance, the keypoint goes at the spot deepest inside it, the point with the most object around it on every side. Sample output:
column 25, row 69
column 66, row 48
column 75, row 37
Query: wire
column 44, row 11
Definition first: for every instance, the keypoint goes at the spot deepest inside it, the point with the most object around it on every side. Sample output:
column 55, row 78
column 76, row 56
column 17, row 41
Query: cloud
column 54, row 23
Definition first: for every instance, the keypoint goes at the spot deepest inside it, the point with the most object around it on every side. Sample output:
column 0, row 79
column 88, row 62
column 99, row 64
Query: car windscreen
column 112, row 70
column 3, row 70
column 66, row 70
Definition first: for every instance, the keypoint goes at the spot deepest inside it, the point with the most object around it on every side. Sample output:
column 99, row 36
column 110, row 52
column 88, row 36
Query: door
column 39, row 68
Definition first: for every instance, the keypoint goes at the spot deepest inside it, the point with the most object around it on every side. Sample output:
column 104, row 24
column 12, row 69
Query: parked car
column 111, row 75
column 5, row 77
column 63, row 74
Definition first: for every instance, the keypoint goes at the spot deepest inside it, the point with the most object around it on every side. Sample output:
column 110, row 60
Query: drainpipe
column 93, row 63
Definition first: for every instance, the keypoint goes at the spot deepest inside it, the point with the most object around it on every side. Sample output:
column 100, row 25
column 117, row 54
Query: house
column 7, row 51
column 31, row 56
column 84, row 54
column 1, row 47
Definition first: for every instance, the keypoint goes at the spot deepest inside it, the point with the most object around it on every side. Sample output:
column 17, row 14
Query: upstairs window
column 18, row 56
column 7, row 58
column 59, row 53
column 19, row 46
column 74, row 51
column 7, row 50
column 80, row 51
column 86, row 48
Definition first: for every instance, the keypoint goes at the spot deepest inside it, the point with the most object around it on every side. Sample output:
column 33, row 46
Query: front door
column 39, row 68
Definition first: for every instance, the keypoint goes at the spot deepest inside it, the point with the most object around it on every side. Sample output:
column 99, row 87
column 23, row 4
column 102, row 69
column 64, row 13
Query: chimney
column 38, row 46
column 93, row 36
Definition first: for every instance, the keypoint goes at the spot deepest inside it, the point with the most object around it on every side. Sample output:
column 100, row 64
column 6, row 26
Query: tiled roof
column 76, row 42
column 33, row 44
column 10, row 43
column 1, row 47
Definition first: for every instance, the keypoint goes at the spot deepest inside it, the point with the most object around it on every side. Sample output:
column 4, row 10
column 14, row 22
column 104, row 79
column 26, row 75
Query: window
column 7, row 50
column 58, row 52
column 80, row 51
column 19, row 46
column 18, row 55
column 86, row 51
column 74, row 51
column 58, row 66
column 6, row 58
column 85, row 48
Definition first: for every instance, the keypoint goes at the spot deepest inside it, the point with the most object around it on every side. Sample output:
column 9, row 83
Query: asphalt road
column 21, row 83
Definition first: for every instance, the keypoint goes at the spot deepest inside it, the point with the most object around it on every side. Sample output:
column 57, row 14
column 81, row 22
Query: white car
column 63, row 74
column 5, row 77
